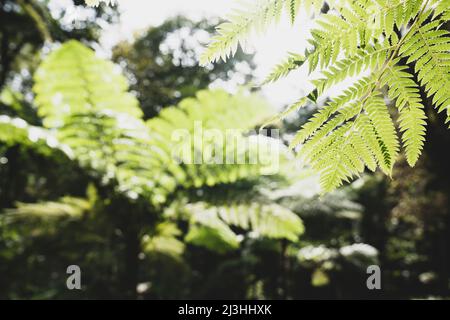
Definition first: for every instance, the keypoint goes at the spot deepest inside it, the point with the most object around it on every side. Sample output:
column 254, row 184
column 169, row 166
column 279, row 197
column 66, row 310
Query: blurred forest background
column 204, row 232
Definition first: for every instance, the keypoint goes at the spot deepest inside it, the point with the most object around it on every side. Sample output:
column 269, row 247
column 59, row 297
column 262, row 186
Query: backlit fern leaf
column 92, row 112
column 211, row 223
column 405, row 91
column 428, row 47
column 324, row 114
column 293, row 62
column 355, row 130
column 370, row 57
column 250, row 18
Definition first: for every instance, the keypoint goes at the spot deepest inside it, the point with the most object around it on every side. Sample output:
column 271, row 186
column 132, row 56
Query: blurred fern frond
column 85, row 100
column 66, row 207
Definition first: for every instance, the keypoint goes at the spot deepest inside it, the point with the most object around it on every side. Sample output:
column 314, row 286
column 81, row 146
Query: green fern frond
column 293, row 62
column 101, row 122
column 165, row 241
column 372, row 57
column 355, row 131
column 323, row 115
column 219, row 111
column 250, row 18
column 405, row 91
column 358, row 135
column 67, row 207
column 378, row 113
column 427, row 47
column 442, row 10
column 18, row 131
column 265, row 220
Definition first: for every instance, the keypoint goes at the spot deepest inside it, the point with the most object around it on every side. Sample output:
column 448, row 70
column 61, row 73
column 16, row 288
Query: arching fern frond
column 395, row 42
column 165, row 240
column 66, row 207
column 209, row 221
column 250, row 18
column 18, row 131
column 93, row 113
column 428, row 47
column 372, row 57
column 85, row 99
column 223, row 154
column 220, row 217
column 405, row 91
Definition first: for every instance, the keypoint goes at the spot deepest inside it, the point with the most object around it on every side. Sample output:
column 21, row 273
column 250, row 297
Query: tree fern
column 373, row 38
column 92, row 112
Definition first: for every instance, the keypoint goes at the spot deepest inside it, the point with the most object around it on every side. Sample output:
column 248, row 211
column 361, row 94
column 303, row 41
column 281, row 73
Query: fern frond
column 165, row 241
column 372, row 57
column 428, row 47
column 359, row 135
column 378, row 114
column 443, row 10
column 265, row 220
column 353, row 93
column 67, row 207
column 405, row 91
column 251, row 17
column 86, row 101
column 18, row 131
column 355, row 130
column 293, row 62
column 217, row 159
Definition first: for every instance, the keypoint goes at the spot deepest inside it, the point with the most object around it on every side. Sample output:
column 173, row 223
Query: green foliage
column 208, row 231
column 67, row 207
column 18, row 131
column 249, row 18
column 206, row 160
column 355, row 130
column 294, row 61
column 25, row 26
column 267, row 220
column 164, row 241
column 86, row 100
column 221, row 218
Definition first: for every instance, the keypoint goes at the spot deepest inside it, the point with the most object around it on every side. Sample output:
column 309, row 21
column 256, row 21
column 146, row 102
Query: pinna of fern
column 398, row 45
